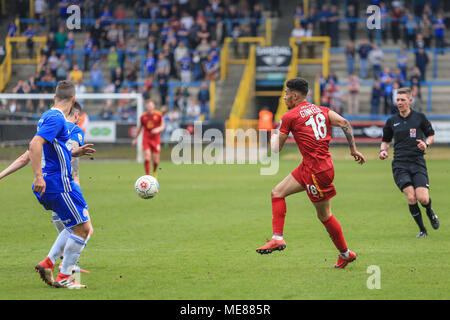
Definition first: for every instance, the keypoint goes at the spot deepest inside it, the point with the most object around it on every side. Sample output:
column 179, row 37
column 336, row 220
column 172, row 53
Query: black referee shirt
column 405, row 131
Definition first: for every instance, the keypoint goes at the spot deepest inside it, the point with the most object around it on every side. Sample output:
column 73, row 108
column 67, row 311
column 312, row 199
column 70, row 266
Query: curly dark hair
column 298, row 84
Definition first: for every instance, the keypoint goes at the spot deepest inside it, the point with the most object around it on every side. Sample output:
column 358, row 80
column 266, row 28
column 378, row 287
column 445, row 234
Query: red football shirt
column 149, row 122
column 311, row 129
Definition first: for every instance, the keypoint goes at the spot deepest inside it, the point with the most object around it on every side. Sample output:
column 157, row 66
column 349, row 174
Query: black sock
column 417, row 215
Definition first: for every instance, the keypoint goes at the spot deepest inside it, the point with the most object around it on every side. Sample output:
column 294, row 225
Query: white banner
column 101, row 131
column 441, row 131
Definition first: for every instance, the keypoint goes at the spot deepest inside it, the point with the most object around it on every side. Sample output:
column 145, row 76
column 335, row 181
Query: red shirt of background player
column 150, row 121
column 311, row 129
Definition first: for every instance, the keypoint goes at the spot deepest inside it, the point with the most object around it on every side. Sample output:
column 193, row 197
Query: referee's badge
column 412, row 133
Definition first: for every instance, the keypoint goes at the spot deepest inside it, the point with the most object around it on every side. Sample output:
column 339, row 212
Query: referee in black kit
column 413, row 134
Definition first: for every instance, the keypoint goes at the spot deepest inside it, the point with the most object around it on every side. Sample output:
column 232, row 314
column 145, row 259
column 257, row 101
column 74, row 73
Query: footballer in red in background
column 151, row 123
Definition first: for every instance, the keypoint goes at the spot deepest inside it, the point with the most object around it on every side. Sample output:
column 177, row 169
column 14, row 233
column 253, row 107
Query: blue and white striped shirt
column 56, row 157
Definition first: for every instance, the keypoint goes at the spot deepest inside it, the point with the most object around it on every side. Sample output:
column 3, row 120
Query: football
column 146, row 187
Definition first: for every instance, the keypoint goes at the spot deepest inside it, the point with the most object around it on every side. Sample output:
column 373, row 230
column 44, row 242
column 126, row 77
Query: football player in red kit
column 311, row 128
column 152, row 123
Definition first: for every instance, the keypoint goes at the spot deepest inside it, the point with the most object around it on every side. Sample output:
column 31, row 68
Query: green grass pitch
column 196, row 240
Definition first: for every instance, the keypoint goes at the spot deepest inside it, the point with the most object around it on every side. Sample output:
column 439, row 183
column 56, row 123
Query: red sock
column 335, row 231
column 155, row 166
column 147, row 166
column 278, row 215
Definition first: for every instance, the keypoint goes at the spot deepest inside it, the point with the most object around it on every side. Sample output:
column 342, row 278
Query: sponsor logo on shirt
column 412, row 133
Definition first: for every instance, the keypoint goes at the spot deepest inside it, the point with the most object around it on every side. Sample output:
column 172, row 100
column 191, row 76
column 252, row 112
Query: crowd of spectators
column 413, row 27
column 181, row 43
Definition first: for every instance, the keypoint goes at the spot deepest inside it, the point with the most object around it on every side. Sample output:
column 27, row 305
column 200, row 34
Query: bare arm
column 18, row 164
column 75, row 163
column 337, row 121
column 277, row 141
column 422, row 145
column 35, row 157
column 85, row 150
column 160, row 128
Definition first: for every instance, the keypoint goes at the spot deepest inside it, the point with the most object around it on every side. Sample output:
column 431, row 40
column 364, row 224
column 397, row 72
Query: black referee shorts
column 408, row 173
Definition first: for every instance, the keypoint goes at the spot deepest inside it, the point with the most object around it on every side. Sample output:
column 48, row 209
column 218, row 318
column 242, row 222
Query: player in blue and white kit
column 55, row 189
column 76, row 140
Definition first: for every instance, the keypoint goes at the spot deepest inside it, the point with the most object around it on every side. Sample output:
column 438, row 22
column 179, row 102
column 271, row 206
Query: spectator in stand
column 387, row 80
column 192, row 110
column 53, row 61
column 417, row 103
column 112, row 36
column 416, row 77
column 131, row 73
column 323, row 20
column 399, row 77
column 376, row 57
column 120, row 13
column 80, row 88
column 377, row 94
column 422, row 61
column 363, row 52
column 197, row 68
column 76, row 74
column 255, row 16
column 61, row 38
column 94, row 56
column 62, row 71
column 333, row 21
column 410, row 31
column 107, row 113
column 132, row 48
column 419, row 43
column 29, row 34
column 88, row 48
column 426, row 28
column 298, row 31
column 21, row 87
column 350, row 53
column 211, row 67
column 163, row 65
column 203, row 98
column 162, row 78
column 186, row 68
column 51, row 43
column 337, row 100
column 150, row 63
column 152, row 44
column 69, row 47
column 439, row 31
column 394, row 96
column 179, row 52
column 113, row 60
column 118, row 79
column 97, row 32
column 352, row 24
column 299, row 15
column 106, row 16
column 96, row 78
column 402, row 62
column 396, row 16
column 353, row 94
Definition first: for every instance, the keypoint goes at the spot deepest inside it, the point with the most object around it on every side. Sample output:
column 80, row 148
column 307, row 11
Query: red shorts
column 319, row 186
column 152, row 145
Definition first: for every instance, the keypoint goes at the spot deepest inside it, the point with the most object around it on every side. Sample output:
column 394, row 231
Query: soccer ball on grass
column 146, row 187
